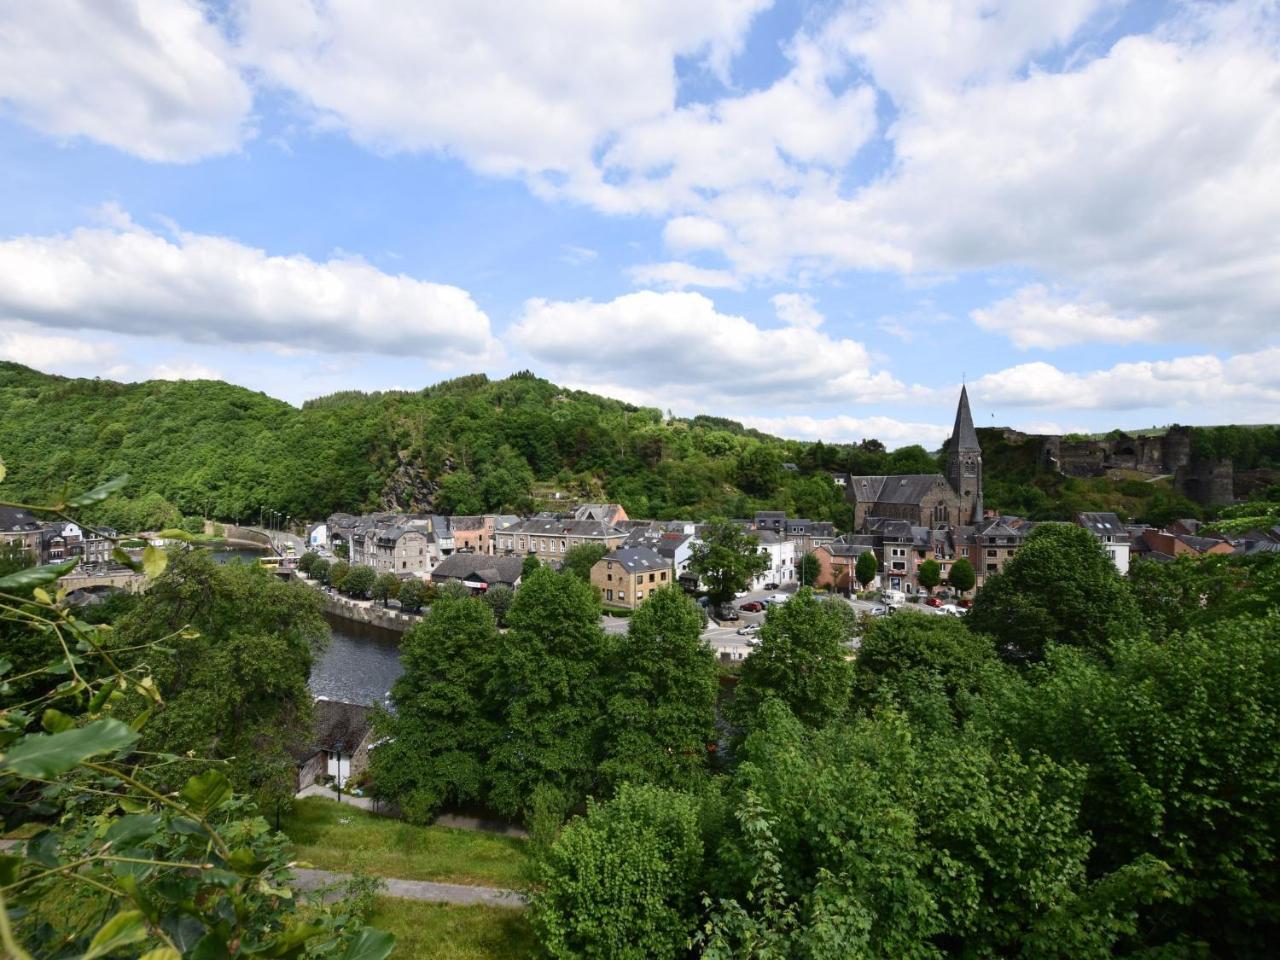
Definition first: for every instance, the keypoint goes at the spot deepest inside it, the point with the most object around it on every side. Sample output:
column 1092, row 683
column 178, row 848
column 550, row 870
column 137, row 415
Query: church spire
column 964, row 437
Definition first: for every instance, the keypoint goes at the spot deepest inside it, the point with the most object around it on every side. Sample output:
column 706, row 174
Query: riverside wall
column 368, row 612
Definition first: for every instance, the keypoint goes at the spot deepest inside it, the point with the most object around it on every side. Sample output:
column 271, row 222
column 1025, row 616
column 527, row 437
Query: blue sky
column 817, row 218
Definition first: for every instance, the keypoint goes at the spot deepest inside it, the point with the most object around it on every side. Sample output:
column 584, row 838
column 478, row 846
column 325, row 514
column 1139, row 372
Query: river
column 361, row 662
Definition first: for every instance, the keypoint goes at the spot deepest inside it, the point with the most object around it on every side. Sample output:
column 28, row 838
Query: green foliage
column 623, row 881
column 808, row 570
column 338, row 571
column 1060, row 587
column 725, row 560
column 866, row 568
column 321, row 570
column 929, row 574
column 413, row 594
column 443, row 727
column 386, row 587
column 1181, row 738
column 801, row 662
column 307, row 562
column 498, row 598
column 530, row 564
column 359, row 581
column 661, row 715
column 961, row 576
column 550, row 686
column 1199, row 591
column 580, row 559
column 234, row 677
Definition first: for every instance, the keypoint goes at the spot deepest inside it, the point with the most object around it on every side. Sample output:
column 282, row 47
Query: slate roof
column 898, row 488
column 554, row 526
column 1103, row 525
column 466, row 523
column 13, row 520
column 478, row 567
column 638, row 559
column 337, row 722
column 963, row 436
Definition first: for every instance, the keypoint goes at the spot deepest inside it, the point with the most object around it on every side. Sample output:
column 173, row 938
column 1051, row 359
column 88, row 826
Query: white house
column 1111, row 533
column 782, row 558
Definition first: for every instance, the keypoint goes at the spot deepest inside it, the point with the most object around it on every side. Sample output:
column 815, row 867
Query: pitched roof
column 637, row 559
column 14, row 520
column 963, row 436
column 337, row 722
column 1102, row 524
column 554, row 526
column 897, row 488
column 478, row 567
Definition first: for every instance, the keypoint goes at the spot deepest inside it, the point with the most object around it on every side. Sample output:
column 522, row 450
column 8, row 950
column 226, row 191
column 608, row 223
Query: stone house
column 479, row 571
column 628, row 575
column 550, row 537
column 339, row 746
column 22, row 531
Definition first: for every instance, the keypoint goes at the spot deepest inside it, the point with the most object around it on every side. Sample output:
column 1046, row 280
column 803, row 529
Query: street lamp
column 338, row 747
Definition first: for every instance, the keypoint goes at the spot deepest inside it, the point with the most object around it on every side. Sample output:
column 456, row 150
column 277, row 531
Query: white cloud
column 33, row 347
column 675, row 275
column 208, row 289
column 677, row 350
column 1034, row 317
column 797, row 310
column 514, row 89
column 891, row 432
column 1190, row 383
column 152, row 77
column 694, row 233
column 183, row 370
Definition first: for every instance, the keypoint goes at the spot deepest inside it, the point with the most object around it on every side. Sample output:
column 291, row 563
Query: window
column 622, row 595
column 651, row 577
column 639, row 594
column 608, row 576
column 663, row 575
column 608, row 594
column 992, row 553
column 991, row 568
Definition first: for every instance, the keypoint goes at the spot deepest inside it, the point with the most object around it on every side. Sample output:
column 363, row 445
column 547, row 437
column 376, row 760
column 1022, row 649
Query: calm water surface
column 361, row 662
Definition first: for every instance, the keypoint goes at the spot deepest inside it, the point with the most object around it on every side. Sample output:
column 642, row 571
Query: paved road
column 425, row 890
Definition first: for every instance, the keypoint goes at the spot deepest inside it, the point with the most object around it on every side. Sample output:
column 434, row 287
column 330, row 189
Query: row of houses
column 44, row 541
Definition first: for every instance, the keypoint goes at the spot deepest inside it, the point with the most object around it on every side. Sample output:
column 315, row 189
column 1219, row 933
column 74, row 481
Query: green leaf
column 5, row 666
column 154, row 561
column 161, row 953
column 55, row 721
column 173, row 533
column 370, row 944
column 35, row 576
column 2, row 469
column 47, row 755
column 126, row 927
column 119, row 555
column 206, row 791
column 9, row 867
column 99, row 493
column 129, row 829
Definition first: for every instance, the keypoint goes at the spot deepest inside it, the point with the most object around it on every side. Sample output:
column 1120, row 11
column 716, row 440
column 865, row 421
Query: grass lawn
column 392, row 848
column 444, row 931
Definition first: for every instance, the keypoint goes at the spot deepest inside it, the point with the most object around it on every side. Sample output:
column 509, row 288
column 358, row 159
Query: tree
column 386, row 588
column 550, row 687
column 235, row 683
column 342, row 551
column 307, row 561
column 531, row 563
column 808, row 570
column 759, row 469
column 624, row 880
column 1060, row 587
column 961, row 577
column 320, row 570
column 866, row 568
column 338, row 572
column 725, row 560
column 441, row 733
column 359, row 581
column 413, row 593
column 498, row 598
column 661, row 715
column 929, row 574
column 800, row 662
column 580, row 559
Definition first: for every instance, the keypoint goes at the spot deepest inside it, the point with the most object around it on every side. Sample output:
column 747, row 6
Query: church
column 928, row 499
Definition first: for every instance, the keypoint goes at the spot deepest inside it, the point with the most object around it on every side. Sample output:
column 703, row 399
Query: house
column 993, row 543
column 782, row 558
column 479, row 571
column 628, row 575
column 1111, row 533
column 318, row 535
column 395, row 545
column 21, row 531
column 66, row 540
column 837, row 562
column 775, row 520
column 809, row 534
column 550, row 537
column 610, row 513
column 339, row 746
column 676, row 547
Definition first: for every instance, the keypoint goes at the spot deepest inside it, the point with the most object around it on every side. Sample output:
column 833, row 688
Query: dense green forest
column 463, row 446
column 208, row 448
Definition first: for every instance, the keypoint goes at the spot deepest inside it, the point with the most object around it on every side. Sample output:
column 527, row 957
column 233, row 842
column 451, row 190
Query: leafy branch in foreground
column 115, row 861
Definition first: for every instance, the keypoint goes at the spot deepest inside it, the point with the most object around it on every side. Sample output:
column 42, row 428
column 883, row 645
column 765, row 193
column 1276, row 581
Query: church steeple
column 964, row 462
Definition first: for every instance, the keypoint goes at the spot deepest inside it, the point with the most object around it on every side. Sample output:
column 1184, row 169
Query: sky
column 816, row 218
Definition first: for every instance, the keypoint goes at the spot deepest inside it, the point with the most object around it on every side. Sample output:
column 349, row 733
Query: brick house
column 626, row 576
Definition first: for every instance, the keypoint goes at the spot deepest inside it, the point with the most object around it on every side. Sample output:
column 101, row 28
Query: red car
column 933, row 602
column 966, row 603
column 751, row 606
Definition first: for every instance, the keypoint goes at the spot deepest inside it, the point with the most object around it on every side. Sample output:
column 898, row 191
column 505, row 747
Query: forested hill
column 463, row 446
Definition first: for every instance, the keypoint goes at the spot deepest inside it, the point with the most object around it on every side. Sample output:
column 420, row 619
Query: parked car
column 773, row 586
column 966, row 603
column 777, row 598
column 728, row 613
column 751, row 606
column 749, row 629
column 933, row 602
column 878, row 611
column 952, row 610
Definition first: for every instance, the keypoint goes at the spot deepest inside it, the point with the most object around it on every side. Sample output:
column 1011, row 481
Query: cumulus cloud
column 183, row 370
column 891, row 432
column 152, row 77
column 678, row 350
column 677, row 275
column 209, row 289
column 1188, row 383
column 797, row 310
column 33, row 347
column 1034, row 317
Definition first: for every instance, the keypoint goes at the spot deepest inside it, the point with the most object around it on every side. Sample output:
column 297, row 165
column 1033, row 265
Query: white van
column 893, row 598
